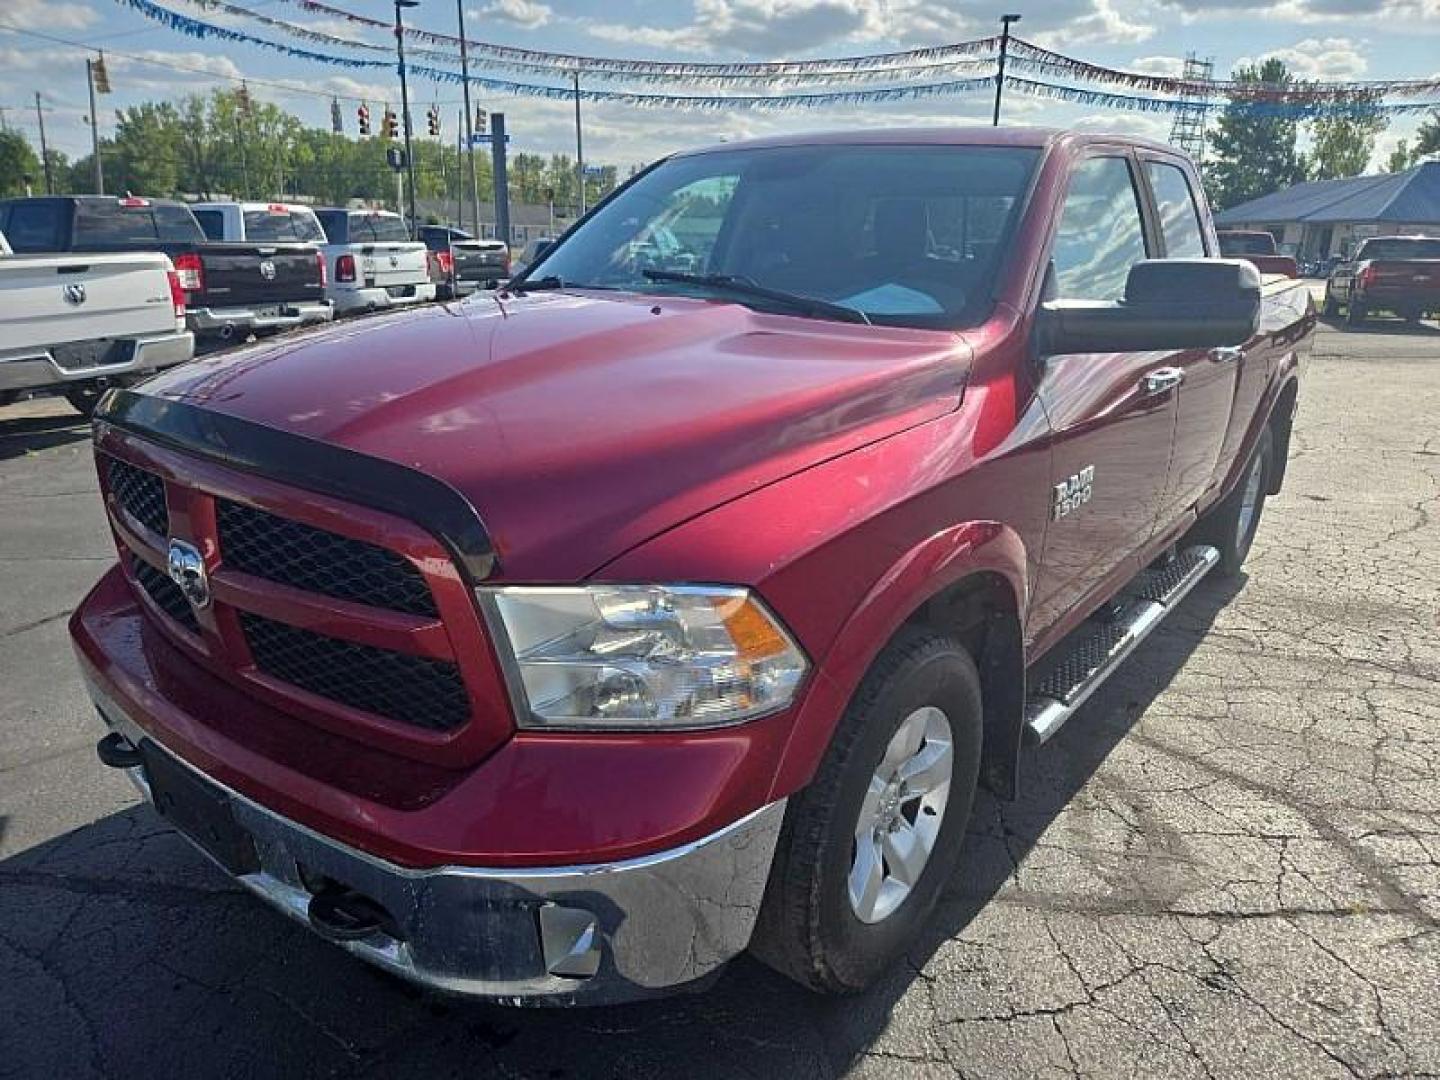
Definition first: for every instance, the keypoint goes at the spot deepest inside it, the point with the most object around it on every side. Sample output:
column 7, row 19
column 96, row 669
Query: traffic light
column 480, row 118
column 433, row 116
column 337, row 125
column 392, row 125
column 362, row 117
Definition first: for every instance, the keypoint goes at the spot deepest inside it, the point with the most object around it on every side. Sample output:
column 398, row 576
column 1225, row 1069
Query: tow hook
column 117, row 752
column 342, row 914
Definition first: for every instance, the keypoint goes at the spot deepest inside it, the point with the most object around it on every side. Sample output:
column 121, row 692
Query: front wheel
column 1356, row 313
column 1332, row 306
column 867, row 848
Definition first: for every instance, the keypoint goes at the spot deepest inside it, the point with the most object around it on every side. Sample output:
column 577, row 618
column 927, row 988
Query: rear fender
column 926, row 570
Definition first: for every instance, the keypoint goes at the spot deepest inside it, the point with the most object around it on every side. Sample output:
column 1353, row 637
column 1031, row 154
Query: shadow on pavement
column 126, row 954
column 1382, row 325
column 27, row 434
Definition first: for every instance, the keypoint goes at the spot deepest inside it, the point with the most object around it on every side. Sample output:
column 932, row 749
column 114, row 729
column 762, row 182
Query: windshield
column 1247, row 244
column 1407, row 248
column 908, row 235
column 283, row 224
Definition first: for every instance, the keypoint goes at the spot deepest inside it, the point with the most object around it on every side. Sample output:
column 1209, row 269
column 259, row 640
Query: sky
column 1319, row 39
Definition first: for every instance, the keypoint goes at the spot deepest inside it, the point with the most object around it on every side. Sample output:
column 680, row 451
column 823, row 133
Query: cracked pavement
column 1228, row 864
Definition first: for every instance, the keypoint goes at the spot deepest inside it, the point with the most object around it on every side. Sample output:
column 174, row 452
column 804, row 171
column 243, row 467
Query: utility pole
column 469, row 130
column 1005, row 21
column 244, row 166
column 579, row 147
column 501, row 176
column 99, row 169
column 459, row 158
column 44, row 148
column 405, row 103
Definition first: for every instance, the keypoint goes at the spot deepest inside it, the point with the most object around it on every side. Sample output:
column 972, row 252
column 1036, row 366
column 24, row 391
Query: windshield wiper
column 549, row 281
column 744, row 286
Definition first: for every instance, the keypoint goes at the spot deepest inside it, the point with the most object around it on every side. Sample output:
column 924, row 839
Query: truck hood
column 580, row 425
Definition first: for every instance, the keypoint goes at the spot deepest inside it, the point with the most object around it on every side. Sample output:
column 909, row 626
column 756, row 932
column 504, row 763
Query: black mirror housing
column 1168, row 304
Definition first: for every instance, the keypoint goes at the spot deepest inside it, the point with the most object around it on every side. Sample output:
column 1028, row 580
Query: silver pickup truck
column 75, row 324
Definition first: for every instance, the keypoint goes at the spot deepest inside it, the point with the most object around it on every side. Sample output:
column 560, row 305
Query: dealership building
column 1330, row 217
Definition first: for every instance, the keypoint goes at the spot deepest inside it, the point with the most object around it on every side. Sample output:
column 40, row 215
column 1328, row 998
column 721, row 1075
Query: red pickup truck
column 1259, row 248
column 562, row 644
column 1387, row 273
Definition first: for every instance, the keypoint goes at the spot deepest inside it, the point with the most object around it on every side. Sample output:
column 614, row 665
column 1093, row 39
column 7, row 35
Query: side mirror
column 1169, row 304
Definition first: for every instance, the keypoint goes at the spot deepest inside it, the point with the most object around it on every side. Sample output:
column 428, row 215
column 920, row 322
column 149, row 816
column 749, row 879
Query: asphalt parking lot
column 1227, row 865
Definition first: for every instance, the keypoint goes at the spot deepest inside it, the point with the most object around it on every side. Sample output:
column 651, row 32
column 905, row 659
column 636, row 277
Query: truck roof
column 972, row 135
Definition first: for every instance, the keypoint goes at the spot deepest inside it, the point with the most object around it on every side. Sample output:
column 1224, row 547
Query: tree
column 1427, row 140
column 1399, row 159
column 1253, row 152
column 17, row 161
column 1344, row 140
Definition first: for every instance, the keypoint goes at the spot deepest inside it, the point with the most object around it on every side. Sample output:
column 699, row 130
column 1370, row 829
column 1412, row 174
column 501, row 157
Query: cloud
column 1422, row 15
column 527, row 13
column 1158, row 65
column 49, row 15
column 1333, row 59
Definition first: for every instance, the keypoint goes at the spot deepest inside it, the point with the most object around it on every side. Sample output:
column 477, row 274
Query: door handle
column 1161, row 380
column 1226, row 354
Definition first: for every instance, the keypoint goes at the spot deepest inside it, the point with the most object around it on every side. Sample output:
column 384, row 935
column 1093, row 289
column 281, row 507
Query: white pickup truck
column 373, row 262
column 75, row 324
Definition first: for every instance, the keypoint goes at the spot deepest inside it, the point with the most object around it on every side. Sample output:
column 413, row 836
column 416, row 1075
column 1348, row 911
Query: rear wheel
column 1231, row 525
column 869, row 845
column 1356, row 313
column 1331, row 306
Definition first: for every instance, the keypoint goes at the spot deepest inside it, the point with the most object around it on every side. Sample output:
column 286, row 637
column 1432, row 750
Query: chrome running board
column 1152, row 596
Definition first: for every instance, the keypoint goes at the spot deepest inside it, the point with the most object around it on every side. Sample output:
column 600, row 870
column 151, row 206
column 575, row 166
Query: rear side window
column 33, row 226
column 1398, row 248
column 212, row 222
column 1100, row 236
column 282, row 225
column 1179, row 216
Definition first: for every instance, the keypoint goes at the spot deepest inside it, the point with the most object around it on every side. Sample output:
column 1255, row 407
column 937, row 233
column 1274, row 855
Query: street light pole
column 469, row 122
column 1005, row 21
column 579, row 146
column 405, row 104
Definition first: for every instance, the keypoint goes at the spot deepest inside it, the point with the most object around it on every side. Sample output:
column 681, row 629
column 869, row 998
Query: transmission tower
column 1188, row 129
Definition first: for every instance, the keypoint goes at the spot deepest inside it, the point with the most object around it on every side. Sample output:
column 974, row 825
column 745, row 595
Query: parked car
column 1387, row 273
column 75, row 328
column 532, row 252
column 373, row 262
column 560, row 647
column 231, row 289
column 259, row 222
column 1259, row 248
column 460, row 263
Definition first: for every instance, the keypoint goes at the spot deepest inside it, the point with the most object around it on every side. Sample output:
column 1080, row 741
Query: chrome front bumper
column 568, row 935
column 34, row 371
column 244, row 320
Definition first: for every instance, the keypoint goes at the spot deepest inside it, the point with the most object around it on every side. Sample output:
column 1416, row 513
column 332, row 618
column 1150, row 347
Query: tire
column 1330, row 307
column 1355, row 313
column 83, row 399
column 1228, row 526
column 810, row 928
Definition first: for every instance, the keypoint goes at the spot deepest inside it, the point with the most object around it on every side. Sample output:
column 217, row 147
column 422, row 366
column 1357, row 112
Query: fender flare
column 925, row 570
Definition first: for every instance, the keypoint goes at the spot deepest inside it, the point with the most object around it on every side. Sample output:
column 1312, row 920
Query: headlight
column 642, row 657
